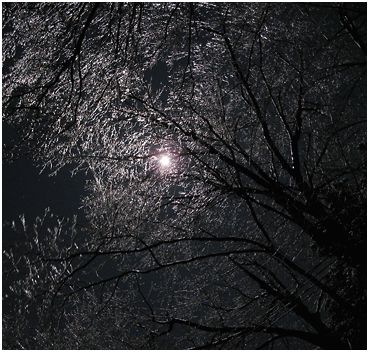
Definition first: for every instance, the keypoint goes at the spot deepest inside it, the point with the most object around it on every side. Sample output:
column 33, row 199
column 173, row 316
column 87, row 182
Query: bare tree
column 225, row 145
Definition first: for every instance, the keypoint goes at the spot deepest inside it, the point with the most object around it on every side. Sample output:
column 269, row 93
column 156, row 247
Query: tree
column 251, row 233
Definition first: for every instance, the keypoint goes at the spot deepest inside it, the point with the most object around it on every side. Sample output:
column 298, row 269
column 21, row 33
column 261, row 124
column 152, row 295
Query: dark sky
column 26, row 191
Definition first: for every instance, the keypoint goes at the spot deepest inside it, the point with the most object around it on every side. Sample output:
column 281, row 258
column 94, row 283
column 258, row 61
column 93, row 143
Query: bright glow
column 165, row 160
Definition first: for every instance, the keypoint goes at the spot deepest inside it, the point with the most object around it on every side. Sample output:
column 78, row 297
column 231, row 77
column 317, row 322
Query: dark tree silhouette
column 251, row 233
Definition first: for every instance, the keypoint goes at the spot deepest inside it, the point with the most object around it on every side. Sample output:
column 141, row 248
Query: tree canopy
column 225, row 152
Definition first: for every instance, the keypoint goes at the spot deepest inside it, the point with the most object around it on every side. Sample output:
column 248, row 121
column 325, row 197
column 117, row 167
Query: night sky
column 26, row 191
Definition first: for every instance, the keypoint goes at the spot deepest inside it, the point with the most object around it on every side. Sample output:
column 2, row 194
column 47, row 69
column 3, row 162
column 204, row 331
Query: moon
column 165, row 160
